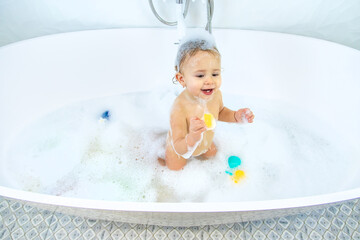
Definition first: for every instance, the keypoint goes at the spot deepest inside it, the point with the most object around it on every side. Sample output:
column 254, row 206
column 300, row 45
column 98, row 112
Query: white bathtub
column 42, row 74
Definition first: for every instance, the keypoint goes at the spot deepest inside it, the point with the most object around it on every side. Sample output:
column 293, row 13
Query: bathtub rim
column 180, row 207
column 168, row 29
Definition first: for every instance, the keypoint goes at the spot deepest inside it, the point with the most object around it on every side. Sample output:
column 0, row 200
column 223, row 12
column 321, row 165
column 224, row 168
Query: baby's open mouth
column 207, row 91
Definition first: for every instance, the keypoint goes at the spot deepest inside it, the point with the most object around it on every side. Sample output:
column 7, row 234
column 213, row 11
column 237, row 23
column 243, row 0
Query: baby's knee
column 176, row 167
column 175, row 162
column 211, row 151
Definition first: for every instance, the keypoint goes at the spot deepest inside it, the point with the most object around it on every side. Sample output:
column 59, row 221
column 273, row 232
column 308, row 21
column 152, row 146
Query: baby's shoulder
column 179, row 105
column 179, row 101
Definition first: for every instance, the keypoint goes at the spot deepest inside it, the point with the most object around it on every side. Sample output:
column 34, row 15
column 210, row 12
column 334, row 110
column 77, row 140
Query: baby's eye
column 215, row 74
column 200, row 75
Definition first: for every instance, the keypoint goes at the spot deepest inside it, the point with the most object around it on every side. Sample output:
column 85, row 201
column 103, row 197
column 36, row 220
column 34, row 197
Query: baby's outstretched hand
column 244, row 115
column 196, row 127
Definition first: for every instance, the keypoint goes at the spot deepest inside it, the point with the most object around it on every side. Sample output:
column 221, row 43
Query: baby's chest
column 214, row 110
column 199, row 111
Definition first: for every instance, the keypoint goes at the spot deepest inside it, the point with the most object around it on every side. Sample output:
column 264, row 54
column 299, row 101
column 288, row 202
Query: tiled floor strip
column 18, row 221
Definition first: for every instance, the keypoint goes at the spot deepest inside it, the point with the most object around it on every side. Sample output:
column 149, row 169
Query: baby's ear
column 180, row 78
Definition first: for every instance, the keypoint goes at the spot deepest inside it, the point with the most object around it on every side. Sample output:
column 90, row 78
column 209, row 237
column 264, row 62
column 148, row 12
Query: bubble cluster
column 70, row 153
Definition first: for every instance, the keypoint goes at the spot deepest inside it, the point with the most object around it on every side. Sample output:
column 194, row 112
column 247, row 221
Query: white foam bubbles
column 69, row 153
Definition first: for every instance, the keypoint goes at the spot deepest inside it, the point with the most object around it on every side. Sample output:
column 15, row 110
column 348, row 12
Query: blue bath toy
column 234, row 161
column 105, row 116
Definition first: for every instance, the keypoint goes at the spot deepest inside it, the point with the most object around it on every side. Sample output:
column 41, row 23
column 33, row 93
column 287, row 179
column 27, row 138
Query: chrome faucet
column 210, row 13
column 209, row 6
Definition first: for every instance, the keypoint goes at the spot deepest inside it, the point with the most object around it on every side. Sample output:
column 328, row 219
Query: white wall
column 333, row 20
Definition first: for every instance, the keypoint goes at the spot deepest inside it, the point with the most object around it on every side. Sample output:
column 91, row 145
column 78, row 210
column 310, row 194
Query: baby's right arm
column 185, row 143
column 196, row 128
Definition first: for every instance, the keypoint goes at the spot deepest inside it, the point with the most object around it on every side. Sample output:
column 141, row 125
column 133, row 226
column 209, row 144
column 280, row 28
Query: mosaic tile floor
column 18, row 221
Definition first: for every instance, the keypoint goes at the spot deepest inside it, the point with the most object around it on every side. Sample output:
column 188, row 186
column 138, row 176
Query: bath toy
column 210, row 121
column 236, row 174
column 234, row 161
column 105, row 116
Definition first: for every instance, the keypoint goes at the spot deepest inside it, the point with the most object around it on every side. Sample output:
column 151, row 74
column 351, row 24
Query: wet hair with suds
column 192, row 46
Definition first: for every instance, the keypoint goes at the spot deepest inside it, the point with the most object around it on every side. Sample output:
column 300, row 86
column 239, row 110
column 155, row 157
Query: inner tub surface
column 43, row 74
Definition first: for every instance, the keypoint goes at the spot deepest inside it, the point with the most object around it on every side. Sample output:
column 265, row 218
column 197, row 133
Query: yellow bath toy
column 210, row 121
column 238, row 175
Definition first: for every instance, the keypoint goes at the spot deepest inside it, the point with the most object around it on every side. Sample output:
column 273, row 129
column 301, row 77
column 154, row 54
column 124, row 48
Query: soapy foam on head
column 193, row 41
column 69, row 153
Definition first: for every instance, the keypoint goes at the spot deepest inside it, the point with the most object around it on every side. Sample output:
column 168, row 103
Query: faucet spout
column 210, row 12
column 180, row 19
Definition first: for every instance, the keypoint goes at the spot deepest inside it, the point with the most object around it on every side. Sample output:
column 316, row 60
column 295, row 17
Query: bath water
column 285, row 153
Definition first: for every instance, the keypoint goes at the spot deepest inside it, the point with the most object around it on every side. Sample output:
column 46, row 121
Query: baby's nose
column 209, row 80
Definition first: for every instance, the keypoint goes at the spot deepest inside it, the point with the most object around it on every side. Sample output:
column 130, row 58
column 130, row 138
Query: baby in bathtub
column 196, row 109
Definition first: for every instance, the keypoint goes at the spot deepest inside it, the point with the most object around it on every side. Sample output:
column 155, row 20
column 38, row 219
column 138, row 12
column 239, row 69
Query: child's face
column 201, row 74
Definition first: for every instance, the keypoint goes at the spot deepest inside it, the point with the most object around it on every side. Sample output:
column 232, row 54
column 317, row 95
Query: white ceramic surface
column 42, row 74
column 334, row 20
